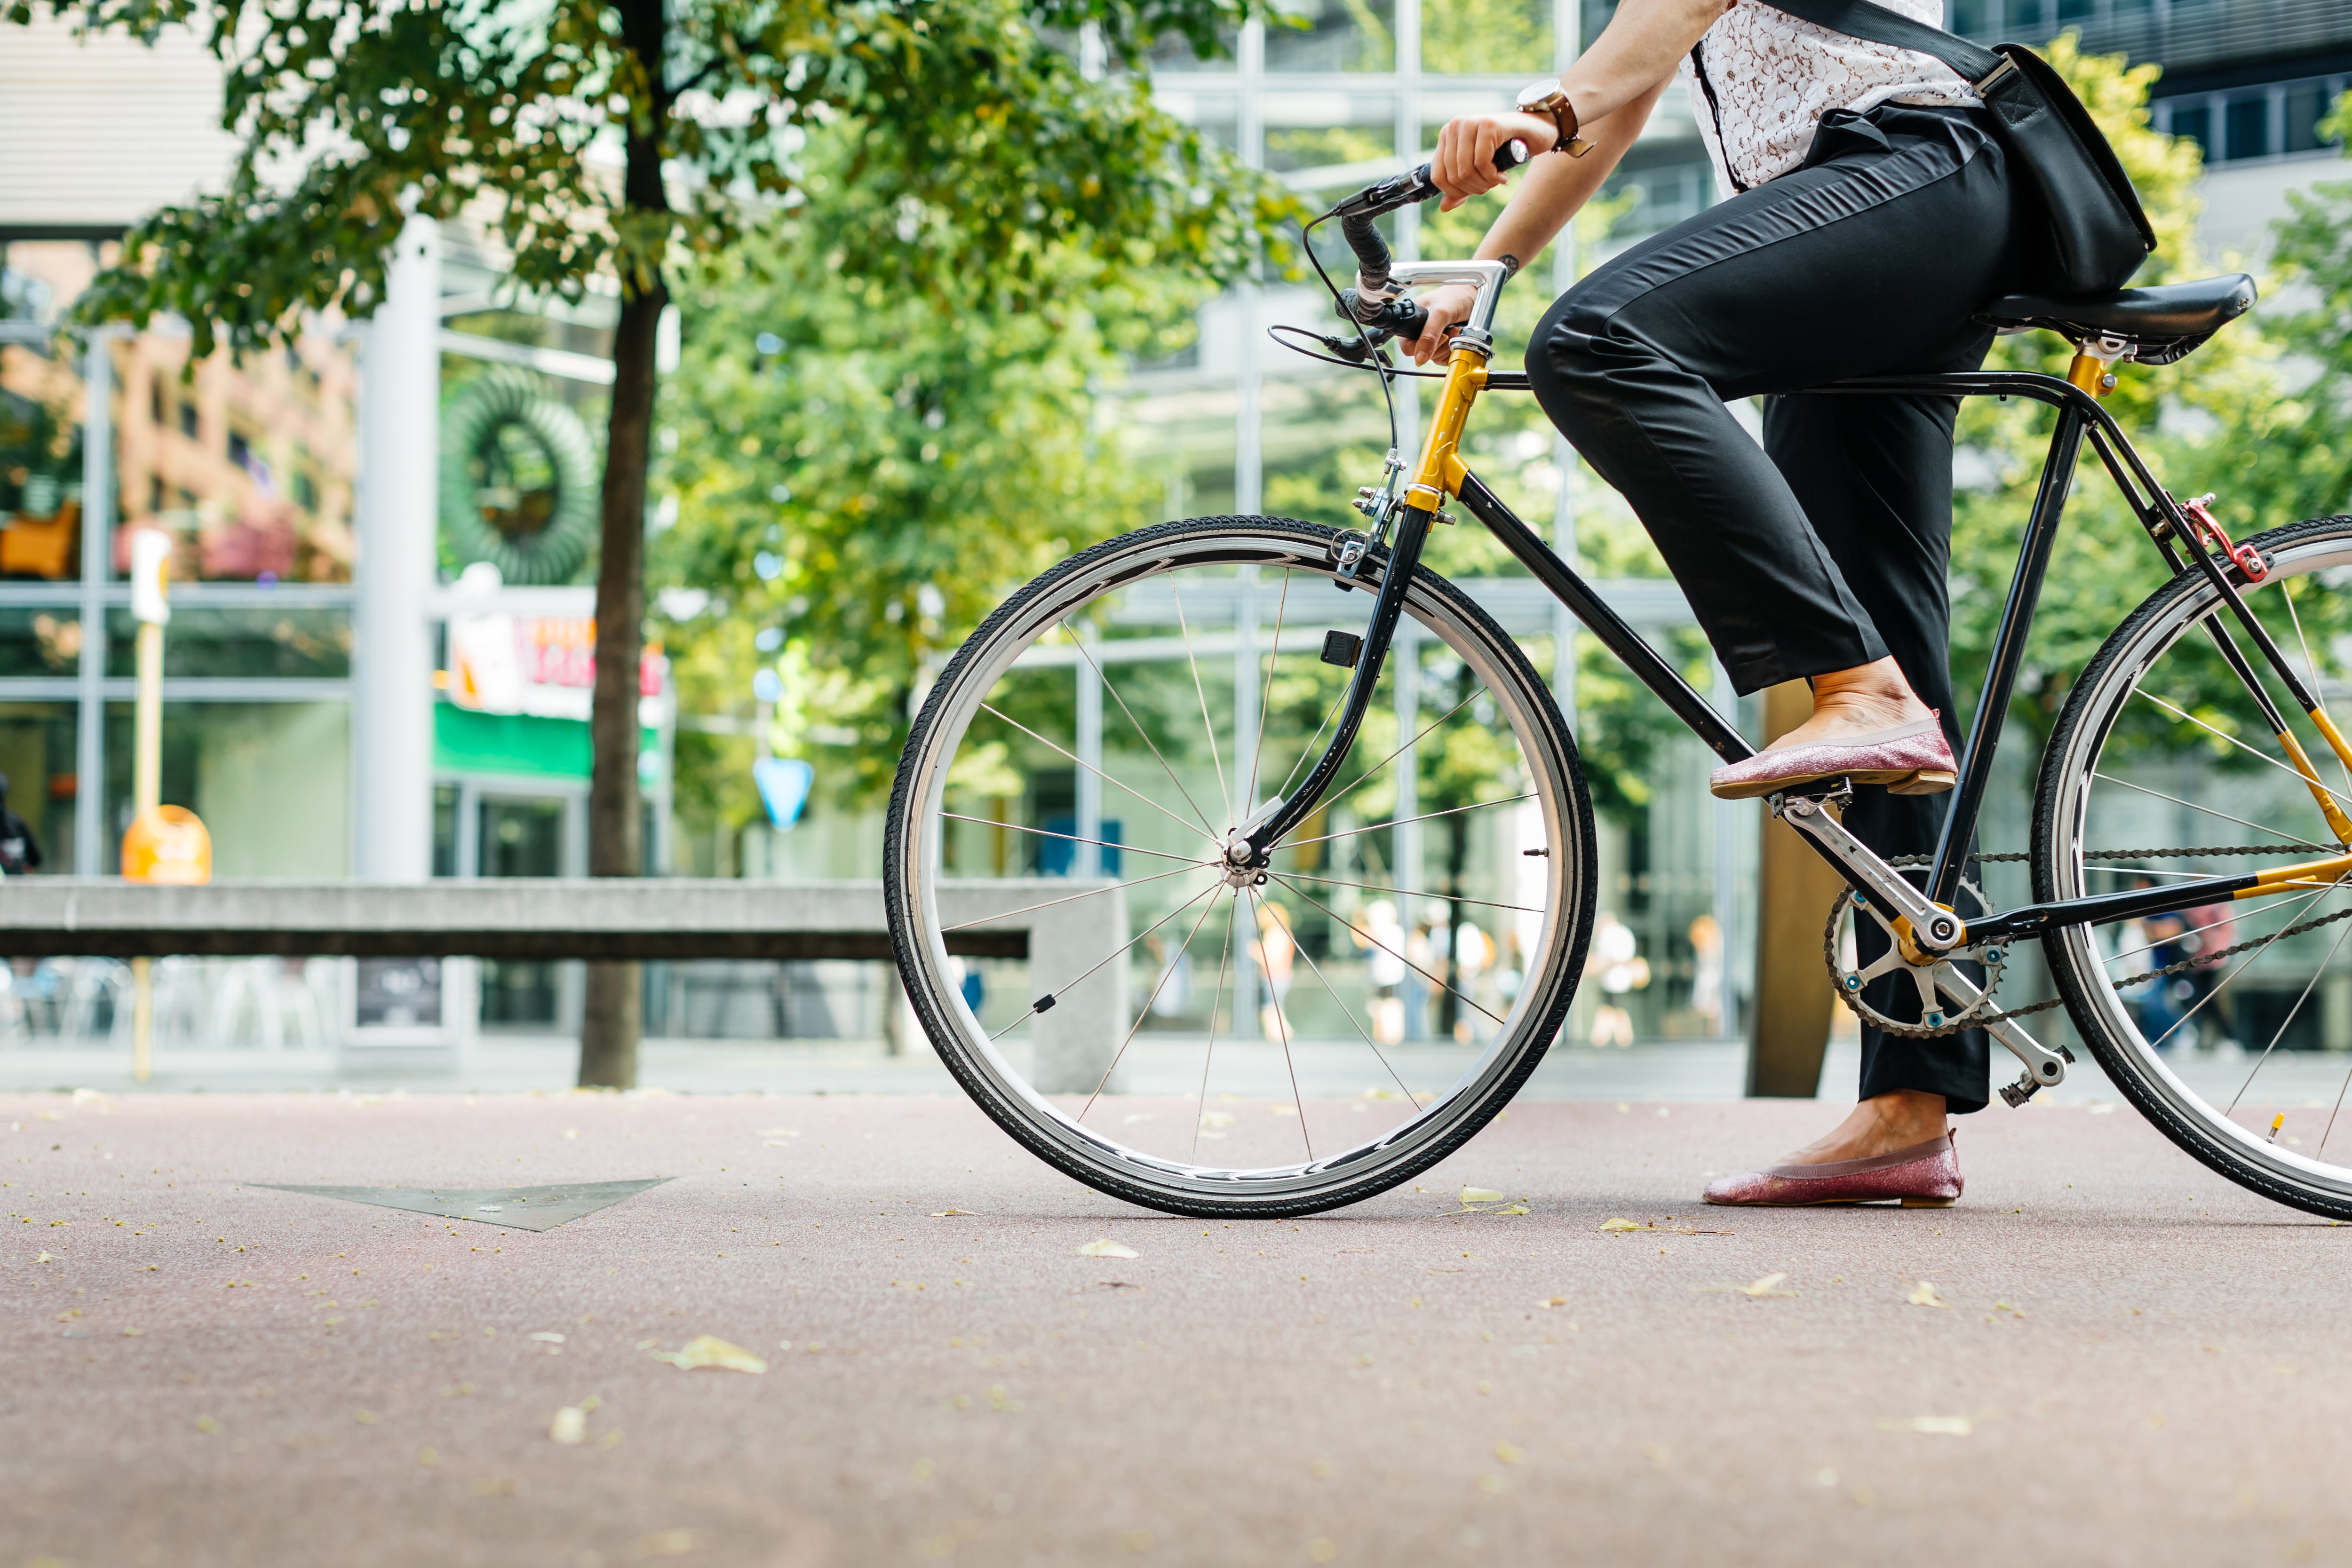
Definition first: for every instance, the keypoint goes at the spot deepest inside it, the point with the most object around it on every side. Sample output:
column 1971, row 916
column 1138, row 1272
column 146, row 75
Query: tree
column 864, row 473
column 2244, row 417
column 980, row 150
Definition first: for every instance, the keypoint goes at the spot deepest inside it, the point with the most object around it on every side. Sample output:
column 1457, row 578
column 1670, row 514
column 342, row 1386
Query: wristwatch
column 1545, row 97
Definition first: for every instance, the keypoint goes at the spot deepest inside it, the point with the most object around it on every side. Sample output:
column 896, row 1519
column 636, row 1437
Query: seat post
column 2093, row 368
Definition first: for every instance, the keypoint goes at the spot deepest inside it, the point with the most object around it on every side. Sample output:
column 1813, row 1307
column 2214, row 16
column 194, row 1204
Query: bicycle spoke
column 1144, row 1012
column 991, row 707
column 2280, row 1033
column 2280, row 832
column 1358, row 1028
column 1399, row 892
column 2233, row 740
column 2192, row 931
column 1281, row 1025
column 1311, row 748
column 1125, row 948
column 1216, row 1000
column 2308, row 900
column 1073, row 838
column 1385, row 948
column 2311, row 669
column 1207, row 728
column 1266, row 697
column 1073, row 898
column 1141, row 734
column 1424, row 816
column 1401, row 750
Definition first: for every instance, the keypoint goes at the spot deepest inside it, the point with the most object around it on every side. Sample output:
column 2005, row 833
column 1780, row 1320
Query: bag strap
column 1877, row 25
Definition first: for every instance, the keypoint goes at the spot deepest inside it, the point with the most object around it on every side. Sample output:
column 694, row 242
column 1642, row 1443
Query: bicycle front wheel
column 1302, row 1040
column 2226, row 1025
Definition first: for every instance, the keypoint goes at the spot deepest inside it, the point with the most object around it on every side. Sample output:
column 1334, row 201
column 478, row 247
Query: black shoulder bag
column 2097, row 233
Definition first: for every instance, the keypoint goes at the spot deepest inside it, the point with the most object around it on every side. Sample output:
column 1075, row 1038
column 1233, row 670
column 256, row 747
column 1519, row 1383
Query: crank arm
column 1932, row 929
column 2044, row 1068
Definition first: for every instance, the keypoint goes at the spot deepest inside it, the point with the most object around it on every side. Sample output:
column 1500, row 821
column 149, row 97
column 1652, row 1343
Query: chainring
column 1850, row 983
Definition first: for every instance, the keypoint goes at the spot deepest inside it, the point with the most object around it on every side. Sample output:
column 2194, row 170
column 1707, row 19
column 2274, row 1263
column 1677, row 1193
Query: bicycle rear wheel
column 2237, row 1053
column 1170, row 1038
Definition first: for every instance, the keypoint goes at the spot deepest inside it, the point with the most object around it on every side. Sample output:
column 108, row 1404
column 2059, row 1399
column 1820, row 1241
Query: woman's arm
column 1629, row 61
column 1554, row 191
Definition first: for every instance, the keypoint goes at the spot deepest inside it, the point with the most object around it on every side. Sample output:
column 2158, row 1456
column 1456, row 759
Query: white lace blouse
column 1772, row 76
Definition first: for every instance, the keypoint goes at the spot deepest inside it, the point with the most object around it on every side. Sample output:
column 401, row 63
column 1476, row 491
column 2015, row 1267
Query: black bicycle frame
column 2080, row 418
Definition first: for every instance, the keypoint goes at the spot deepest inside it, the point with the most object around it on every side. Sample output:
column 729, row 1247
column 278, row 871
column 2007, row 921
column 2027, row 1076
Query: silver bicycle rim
column 2233, row 1109
column 1479, row 1083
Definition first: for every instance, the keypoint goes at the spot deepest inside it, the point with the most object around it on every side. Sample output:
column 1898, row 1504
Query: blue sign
column 783, row 784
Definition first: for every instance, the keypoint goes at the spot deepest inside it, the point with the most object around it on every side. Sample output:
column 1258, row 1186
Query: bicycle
column 1521, row 835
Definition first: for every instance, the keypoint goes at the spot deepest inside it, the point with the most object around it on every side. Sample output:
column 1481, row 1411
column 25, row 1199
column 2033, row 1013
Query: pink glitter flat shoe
column 1925, row 1175
column 1910, row 759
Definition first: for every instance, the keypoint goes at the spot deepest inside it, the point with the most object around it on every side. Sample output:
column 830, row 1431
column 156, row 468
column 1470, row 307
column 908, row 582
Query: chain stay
column 2202, row 960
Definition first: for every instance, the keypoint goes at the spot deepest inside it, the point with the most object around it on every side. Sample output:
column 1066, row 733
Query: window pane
column 37, row 758
column 40, row 417
column 271, row 780
column 1508, row 36
column 1332, row 35
column 250, row 468
column 2196, row 125
column 40, row 641
column 2249, row 128
column 1969, row 17
column 253, row 643
column 2306, row 105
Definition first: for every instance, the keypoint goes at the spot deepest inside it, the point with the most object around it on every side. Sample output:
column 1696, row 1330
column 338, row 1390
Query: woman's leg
column 1874, row 475
column 1871, row 262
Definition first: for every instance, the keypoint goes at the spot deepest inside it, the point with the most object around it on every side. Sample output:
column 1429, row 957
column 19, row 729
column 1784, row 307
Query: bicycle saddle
column 2162, row 323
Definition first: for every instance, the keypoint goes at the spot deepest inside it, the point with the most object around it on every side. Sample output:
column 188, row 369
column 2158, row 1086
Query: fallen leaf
column 207, row 1423
column 1507, row 1454
column 1107, row 1248
column 1622, row 1225
column 89, row 1096
column 663, row 1544
column 1923, row 1294
column 708, row 1350
column 780, row 1132
column 1216, row 1118
column 569, row 1426
column 1553, row 1301
column 1480, row 1195
column 544, row 1337
column 1769, row 1285
column 1935, row 1425
column 1282, row 1109
column 950, row 1213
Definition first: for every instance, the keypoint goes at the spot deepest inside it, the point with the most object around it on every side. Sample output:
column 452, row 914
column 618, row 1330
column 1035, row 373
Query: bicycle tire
column 2061, row 806
column 1435, row 1130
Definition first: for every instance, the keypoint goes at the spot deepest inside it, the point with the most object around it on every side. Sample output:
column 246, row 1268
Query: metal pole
column 1249, row 479
column 151, row 566
column 97, row 535
column 392, row 697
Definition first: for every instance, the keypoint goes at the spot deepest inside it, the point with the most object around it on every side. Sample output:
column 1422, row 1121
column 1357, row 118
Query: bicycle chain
column 1922, row 1032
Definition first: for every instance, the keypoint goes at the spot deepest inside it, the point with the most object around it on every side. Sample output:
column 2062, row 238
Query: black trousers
column 1828, row 547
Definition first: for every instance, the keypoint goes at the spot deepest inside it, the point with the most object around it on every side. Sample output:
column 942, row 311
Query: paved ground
column 2137, row 1364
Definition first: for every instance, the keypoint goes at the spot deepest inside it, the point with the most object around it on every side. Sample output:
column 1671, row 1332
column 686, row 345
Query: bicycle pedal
column 2019, row 1092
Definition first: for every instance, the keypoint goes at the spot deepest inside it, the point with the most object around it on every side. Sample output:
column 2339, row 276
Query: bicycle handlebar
column 1356, row 223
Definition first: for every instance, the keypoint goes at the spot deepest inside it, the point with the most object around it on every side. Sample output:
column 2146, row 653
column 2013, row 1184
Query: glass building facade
column 1355, row 92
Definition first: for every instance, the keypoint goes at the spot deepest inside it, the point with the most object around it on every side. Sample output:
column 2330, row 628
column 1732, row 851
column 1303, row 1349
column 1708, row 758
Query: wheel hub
column 1242, row 866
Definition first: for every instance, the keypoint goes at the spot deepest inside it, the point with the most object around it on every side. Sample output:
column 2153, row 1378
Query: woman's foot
column 1862, row 701
column 1893, row 1147
column 1867, row 726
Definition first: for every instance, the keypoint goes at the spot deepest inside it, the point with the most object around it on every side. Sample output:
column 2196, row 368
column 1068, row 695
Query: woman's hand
column 1464, row 165
column 1448, row 307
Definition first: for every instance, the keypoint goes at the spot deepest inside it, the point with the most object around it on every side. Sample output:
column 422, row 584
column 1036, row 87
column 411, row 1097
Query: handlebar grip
column 1357, row 213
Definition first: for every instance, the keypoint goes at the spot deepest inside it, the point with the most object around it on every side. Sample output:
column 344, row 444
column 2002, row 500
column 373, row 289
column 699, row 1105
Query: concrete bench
column 543, row 918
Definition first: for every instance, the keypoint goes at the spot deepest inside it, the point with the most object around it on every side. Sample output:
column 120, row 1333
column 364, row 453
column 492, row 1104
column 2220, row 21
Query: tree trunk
column 613, row 1017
